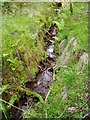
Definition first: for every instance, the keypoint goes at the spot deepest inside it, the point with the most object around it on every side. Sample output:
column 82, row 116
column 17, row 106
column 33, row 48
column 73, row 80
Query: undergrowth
column 23, row 49
column 69, row 92
column 22, row 45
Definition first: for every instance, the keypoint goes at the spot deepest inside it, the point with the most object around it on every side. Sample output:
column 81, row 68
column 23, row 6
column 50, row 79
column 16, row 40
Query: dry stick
column 47, row 96
column 4, row 112
column 81, row 106
column 49, row 73
column 46, row 101
column 46, row 31
column 49, row 68
column 53, row 74
column 43, row 71
column 60, row 66
column 75, row 111
column 40, row 67
column 71, row 8
column 12, row 105
column 49, row 89
column 63, row 112
column 47, row 38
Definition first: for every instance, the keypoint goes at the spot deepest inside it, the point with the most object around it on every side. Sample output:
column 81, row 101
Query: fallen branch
column 12, row 105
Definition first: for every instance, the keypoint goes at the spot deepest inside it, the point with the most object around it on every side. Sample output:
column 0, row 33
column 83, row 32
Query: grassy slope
column 67, row 81
column 75, row 26
column 20, row 54
column 23, row 45
column 17, row 35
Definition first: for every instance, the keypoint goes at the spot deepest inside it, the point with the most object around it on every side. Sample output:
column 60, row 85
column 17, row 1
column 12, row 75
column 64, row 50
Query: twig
column 4, row 112
column 47, row 38
column 49, row 68
column 12, row 105
column 40, row 67
column 46, row 101
column 49, row 73
column 53, row 74
column 46, row 115
column 47, row 96
column 63, row 112
column 80, row 107
column 46, row 31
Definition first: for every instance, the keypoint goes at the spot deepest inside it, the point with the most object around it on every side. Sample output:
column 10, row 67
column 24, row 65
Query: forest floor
column 45, row 61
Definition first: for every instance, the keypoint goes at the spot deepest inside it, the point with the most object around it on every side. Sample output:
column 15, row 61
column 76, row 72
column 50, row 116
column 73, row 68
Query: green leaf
column 13, row 69
column 52, row 41
column 56, row 38
column 22, row 80
column 9, row 60
column 64, row 15
column 12, row 100
column 4, row 88
column 59, row 25
column 4, row 55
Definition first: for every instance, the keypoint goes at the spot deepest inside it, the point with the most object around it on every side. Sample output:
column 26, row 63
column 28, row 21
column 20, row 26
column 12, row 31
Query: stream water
column 45, row 77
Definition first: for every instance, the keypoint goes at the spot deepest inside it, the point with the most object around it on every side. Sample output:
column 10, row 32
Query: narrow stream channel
column 43, row 80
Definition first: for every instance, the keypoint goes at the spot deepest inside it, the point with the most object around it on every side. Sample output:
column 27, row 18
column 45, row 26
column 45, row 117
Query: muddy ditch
column 43, row 80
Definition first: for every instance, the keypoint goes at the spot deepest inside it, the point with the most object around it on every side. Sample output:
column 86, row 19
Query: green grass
column 75, row 25
column 21, row 56
column 67, row 80
column 20, row 30
column 23, row 45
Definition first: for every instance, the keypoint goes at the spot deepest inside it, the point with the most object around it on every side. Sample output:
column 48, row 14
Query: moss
column 19, row 35
column 31, row 114
column 30, row 93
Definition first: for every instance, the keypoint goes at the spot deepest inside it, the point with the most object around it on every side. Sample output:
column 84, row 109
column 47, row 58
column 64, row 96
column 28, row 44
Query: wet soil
column 44, row 78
